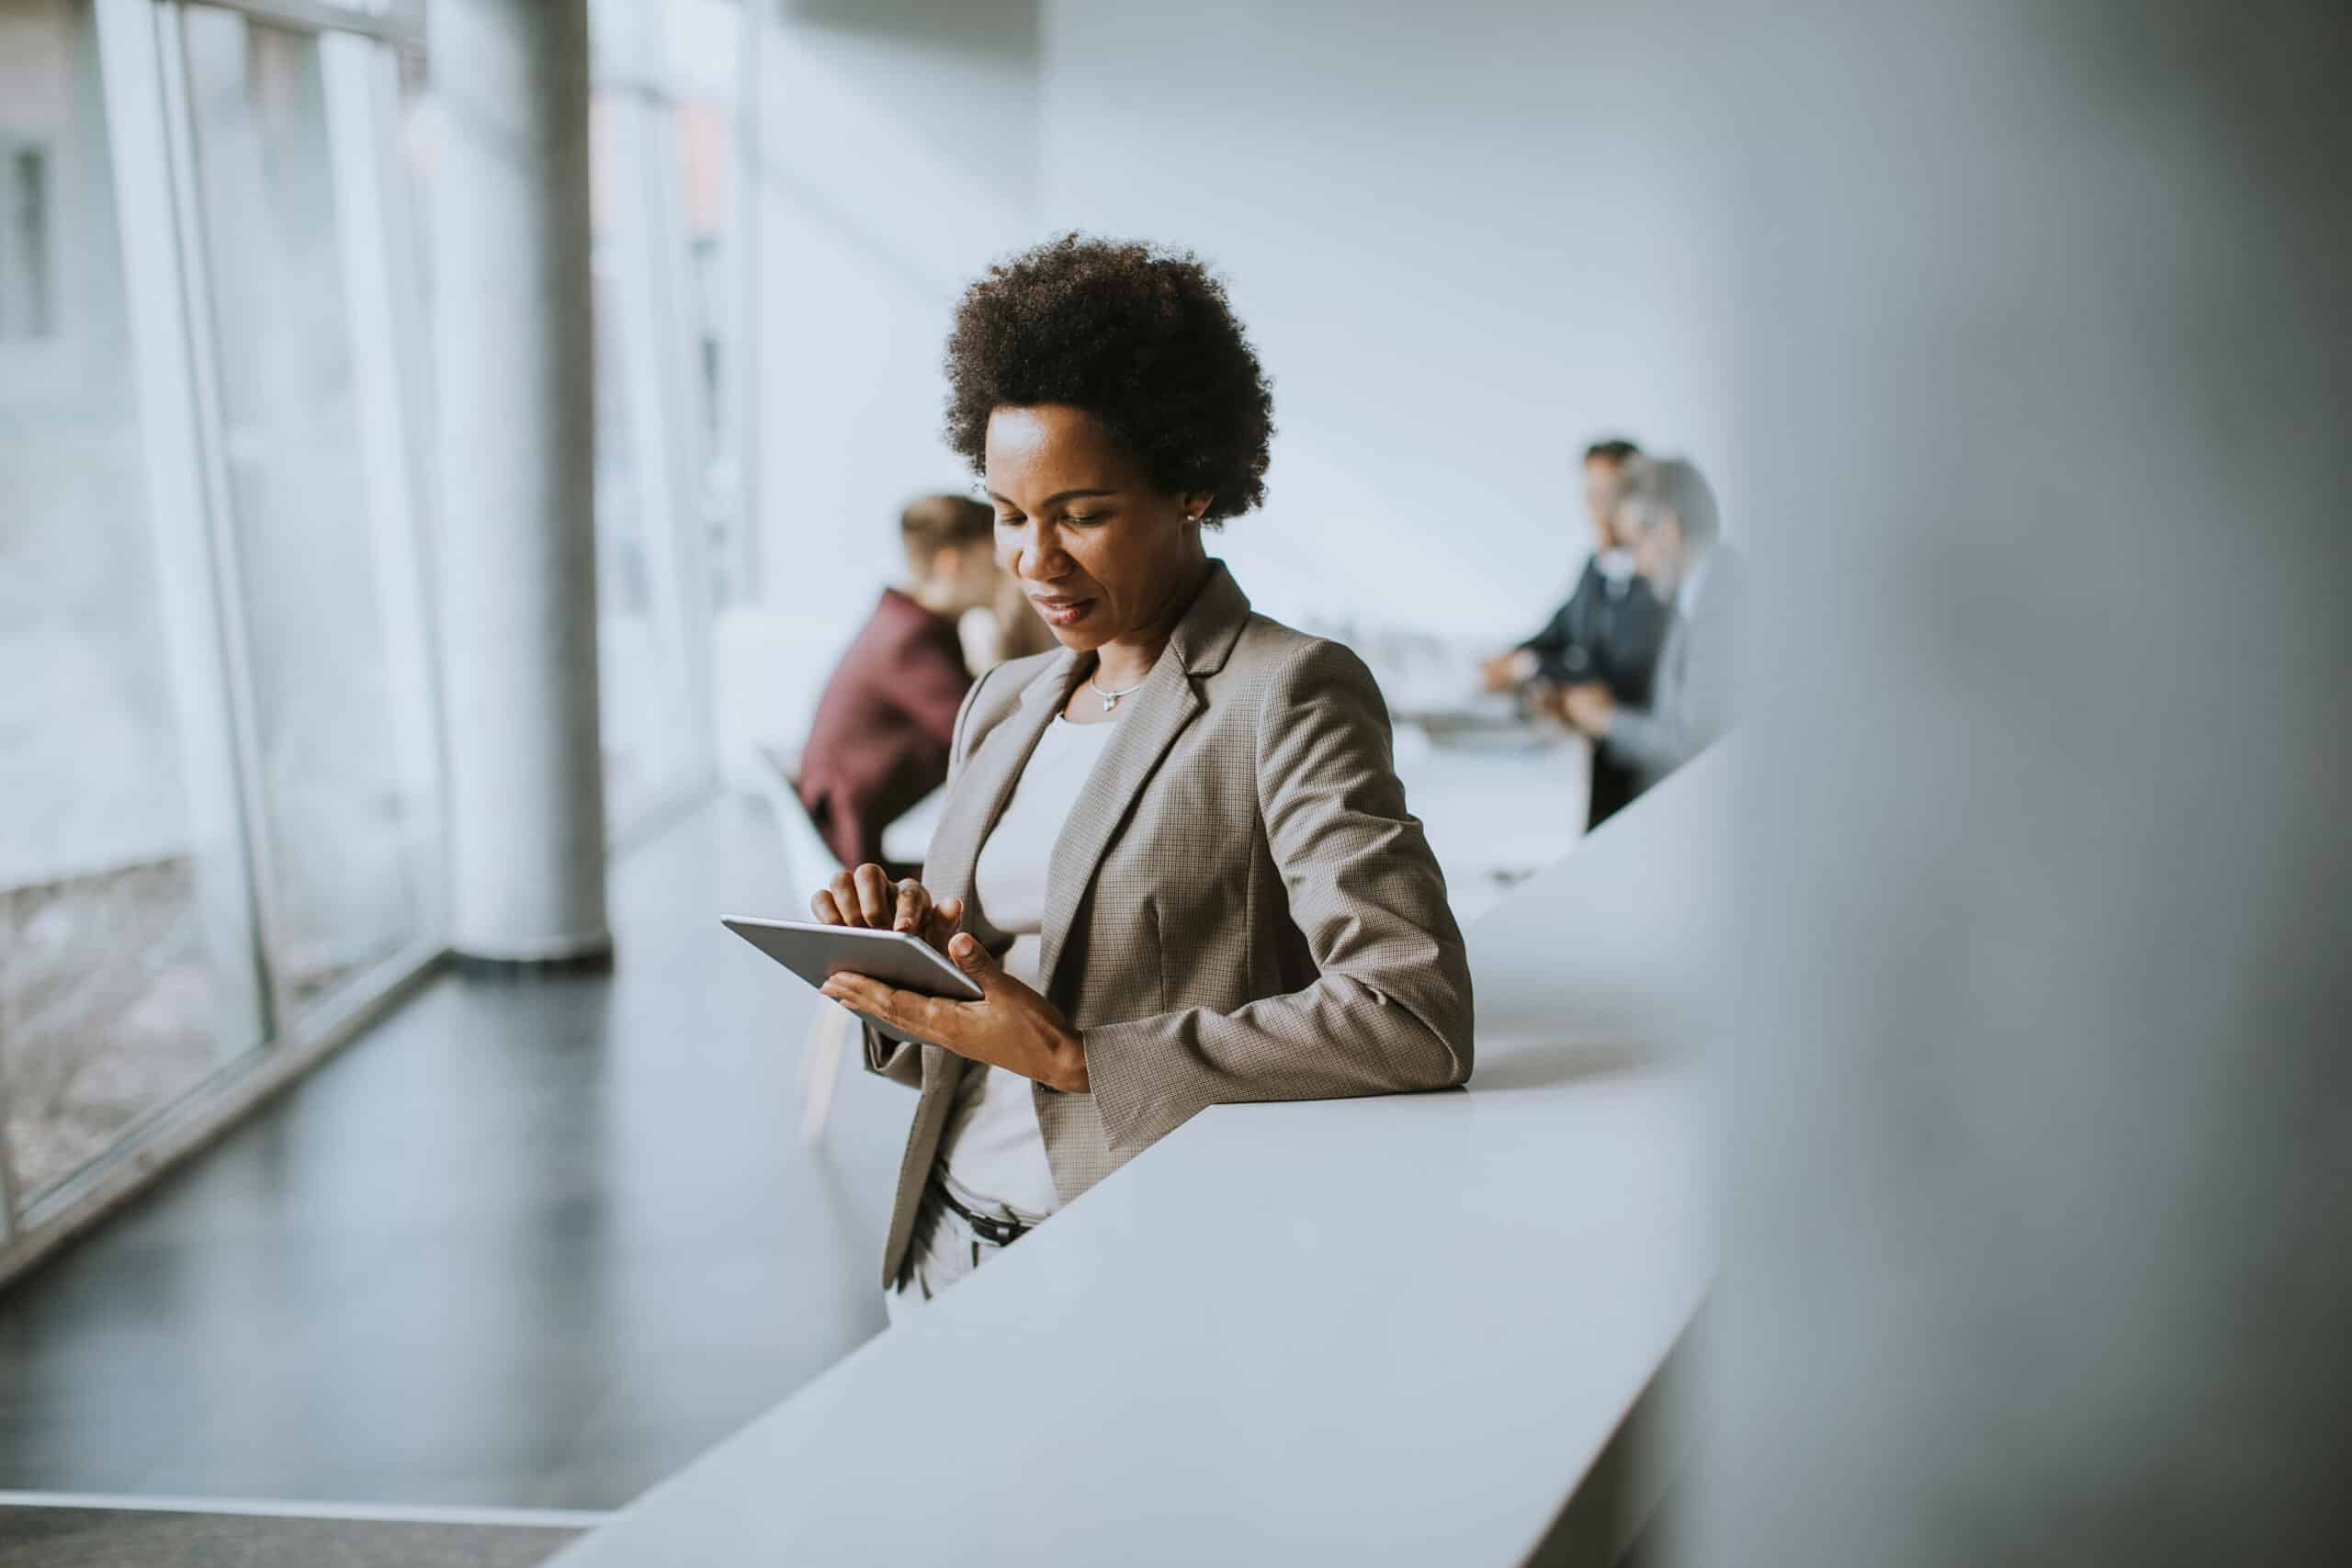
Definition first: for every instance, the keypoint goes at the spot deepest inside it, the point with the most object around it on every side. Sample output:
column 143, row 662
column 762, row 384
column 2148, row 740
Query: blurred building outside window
column 119, row 990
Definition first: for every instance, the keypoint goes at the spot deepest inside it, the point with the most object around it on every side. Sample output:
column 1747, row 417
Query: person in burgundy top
column 880, row 739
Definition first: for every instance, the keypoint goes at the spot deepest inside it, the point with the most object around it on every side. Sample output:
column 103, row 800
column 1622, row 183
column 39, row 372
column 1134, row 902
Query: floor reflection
column 530, row 1243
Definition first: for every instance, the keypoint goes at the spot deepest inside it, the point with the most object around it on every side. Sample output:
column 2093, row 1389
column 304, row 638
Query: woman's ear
column 1196, row 504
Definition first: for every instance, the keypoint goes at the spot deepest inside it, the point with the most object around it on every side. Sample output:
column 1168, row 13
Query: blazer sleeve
column 896, row 1059
column 1689, row 706
column 1391, row 1007
column 1561, row 649
column 1557, row 633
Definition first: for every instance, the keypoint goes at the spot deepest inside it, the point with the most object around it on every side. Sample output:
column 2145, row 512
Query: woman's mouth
column 1063, row 612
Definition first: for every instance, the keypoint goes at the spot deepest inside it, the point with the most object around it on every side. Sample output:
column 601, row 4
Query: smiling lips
column 1062, row 611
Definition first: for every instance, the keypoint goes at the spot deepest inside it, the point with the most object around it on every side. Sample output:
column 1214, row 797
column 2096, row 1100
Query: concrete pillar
column 515, row 361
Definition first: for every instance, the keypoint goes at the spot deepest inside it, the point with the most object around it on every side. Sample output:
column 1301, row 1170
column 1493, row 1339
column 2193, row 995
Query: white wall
column 1466, row 240
column 898, row 158
column 2037, row 1186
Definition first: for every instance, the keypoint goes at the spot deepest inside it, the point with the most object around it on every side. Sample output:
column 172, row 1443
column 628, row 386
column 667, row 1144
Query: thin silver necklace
column 1111, row 699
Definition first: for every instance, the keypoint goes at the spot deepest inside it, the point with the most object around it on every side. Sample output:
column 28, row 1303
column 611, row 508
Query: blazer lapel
column 1160, row 711
column 972, row 809
column 1167, row 703
column 987, row 784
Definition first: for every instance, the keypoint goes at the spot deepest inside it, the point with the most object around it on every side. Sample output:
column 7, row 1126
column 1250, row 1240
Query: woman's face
column 1657, row 533
column 1100, row 552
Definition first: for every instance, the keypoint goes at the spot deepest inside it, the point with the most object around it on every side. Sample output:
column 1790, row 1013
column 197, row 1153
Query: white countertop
column 1376, row 1330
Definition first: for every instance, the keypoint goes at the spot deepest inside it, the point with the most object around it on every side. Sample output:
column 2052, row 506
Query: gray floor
column 101, row 1538
column 529, row 1244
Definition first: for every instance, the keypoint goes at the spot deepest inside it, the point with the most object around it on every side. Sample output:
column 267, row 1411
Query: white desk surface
column 1390, row 1330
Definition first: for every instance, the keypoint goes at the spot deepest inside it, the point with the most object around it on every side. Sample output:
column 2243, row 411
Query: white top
column 993, row 1153
column 1385, row 1331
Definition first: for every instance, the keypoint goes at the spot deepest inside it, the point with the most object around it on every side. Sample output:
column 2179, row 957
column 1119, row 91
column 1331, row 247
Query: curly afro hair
column 1143, row 339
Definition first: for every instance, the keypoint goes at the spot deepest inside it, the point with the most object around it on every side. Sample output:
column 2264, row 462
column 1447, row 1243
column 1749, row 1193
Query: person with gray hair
column 1669, row 512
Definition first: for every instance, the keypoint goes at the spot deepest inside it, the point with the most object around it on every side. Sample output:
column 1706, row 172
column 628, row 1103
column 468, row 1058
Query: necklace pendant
column 1110, row 703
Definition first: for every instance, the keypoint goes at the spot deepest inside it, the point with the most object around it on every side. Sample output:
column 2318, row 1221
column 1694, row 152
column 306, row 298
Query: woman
column 1174, row 855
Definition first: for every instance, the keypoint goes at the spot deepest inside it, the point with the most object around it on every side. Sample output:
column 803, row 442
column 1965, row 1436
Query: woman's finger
column 843, row 891
column 874, row 895
column 825, row 909
column 927, row 1018
column 854, row 991
column 914, row 906
column 945, row 916
column 973, row 959
column 874, row 999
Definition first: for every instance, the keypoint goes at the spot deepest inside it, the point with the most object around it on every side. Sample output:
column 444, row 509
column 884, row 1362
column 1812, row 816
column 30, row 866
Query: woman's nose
column 1041, row 558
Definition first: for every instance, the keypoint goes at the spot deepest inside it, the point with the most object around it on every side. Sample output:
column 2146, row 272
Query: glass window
column 646, row 707
column 704, row 38
column 125, row 975
column 343, row 835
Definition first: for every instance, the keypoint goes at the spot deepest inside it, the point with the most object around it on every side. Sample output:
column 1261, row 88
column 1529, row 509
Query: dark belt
column 996, row 1232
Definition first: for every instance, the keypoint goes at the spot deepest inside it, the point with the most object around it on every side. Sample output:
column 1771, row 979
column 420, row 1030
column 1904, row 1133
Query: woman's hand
column 1011, row 1026
column 867, row 896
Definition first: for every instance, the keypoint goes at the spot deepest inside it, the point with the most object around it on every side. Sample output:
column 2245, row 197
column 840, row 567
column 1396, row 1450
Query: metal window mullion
column 132, row 75
column 661, row 320
column 362, row 89
column 9, row 1199
column 667, row 242
column 220, row 527
column 650, row 392
column 750, row 355
column 402, row 22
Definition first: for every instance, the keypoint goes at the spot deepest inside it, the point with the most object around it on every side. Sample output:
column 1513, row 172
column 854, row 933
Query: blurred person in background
column 1610, row 631
column 880, row 739
column 1175, row 857
column 1009, row 628
column 1669, row 514
column 1021, row 631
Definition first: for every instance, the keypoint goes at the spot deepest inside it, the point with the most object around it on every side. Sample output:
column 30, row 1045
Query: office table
column 1412, row 1329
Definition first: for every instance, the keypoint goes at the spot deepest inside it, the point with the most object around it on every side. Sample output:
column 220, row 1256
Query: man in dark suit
column 1671, row 513
column 1609, row 632
column 879, row 742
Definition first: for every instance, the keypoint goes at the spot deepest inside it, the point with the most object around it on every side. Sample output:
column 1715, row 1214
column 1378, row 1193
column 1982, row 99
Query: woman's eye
column 1008, row 522
column 1083, row 518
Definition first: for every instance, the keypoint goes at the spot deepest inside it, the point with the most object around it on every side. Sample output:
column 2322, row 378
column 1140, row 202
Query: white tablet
column 814, row 952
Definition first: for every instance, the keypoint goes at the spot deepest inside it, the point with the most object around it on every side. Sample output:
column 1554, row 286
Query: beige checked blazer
column 1238, row 908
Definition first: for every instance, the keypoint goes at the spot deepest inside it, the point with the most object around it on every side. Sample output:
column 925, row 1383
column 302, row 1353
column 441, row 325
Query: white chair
column 768, row 672
column 808, row 863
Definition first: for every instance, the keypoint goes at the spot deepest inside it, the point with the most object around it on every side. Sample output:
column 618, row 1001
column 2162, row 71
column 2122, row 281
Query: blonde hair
column 935, row 522
column 1659, row 485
